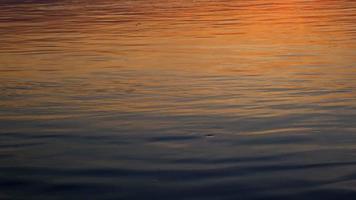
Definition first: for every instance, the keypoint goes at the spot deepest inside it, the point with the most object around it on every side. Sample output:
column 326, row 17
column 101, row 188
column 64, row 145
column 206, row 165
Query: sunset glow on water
column 179, row 99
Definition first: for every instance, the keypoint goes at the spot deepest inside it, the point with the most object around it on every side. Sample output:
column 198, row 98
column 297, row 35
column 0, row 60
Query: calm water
column 179, row 99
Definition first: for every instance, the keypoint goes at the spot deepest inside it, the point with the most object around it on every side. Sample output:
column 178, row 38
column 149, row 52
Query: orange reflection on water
column 288, row 46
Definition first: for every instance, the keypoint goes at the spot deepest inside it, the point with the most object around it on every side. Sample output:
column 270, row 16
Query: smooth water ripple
column 179, row 99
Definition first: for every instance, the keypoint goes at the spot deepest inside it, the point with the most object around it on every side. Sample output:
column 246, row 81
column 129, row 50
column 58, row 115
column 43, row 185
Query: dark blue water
column 179, row 99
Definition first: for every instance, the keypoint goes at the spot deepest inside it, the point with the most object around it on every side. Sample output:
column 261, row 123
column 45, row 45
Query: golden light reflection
column 284, row 46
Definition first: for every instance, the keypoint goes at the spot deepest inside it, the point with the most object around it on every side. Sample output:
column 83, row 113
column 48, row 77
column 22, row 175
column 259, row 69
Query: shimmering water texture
column 178, row 99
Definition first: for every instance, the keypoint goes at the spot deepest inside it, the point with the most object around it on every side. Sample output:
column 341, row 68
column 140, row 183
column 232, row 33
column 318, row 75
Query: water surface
column 179, row 99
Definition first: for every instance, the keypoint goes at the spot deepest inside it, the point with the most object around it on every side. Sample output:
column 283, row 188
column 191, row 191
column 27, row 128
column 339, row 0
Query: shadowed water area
column 179, row 99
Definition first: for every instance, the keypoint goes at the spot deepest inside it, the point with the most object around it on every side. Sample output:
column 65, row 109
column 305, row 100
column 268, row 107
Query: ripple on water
column 177, row 99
